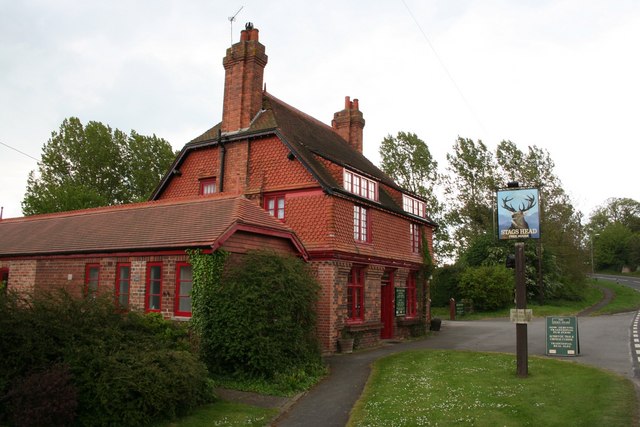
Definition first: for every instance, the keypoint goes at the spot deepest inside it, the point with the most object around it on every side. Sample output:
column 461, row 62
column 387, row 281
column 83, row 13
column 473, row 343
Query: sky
column 563, row 75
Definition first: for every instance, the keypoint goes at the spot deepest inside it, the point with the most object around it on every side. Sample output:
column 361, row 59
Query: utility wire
column 21, row 152
column 444, row 67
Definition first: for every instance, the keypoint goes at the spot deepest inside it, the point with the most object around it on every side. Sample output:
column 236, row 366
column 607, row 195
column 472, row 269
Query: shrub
column 42, row 398
column 127, row 369
column 264, row 321
column 445, row 285
column 490, row 287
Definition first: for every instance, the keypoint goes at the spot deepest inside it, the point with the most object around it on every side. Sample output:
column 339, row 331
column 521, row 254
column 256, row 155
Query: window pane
column 154, row 302
column 123, row 300
column 124, row 273
column 185, row 304
column 186, row 273
column 154, row 273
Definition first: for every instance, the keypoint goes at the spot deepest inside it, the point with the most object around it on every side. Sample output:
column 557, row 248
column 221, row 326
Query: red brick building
column 309, row 190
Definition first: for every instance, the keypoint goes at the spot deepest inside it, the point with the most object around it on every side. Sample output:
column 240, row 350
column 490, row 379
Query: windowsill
column 181, row 318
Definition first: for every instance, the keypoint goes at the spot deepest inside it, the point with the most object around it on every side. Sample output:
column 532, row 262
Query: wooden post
column 522, row 352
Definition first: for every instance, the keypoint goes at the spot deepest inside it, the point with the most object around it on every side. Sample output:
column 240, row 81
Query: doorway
column 386, row 304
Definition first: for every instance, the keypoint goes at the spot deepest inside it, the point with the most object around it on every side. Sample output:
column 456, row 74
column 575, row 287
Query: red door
column 386, row 305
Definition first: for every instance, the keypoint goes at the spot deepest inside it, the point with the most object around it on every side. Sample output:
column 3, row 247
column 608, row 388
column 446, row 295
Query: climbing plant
column 207, row 277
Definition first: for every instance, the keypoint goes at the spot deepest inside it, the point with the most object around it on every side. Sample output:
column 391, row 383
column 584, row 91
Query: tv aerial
column 233, row 18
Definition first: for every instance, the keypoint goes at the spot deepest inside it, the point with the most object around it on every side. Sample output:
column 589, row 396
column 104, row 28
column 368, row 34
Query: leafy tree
column 624, row 211
column 93, row 165
column 614, row 230
column 407, row 159
column 470, row 190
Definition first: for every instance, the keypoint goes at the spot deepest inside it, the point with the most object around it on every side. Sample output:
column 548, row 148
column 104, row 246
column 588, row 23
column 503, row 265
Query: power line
column 444, row 67
column 21, row 152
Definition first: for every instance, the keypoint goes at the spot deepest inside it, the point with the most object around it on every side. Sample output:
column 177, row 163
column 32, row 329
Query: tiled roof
column 308, row 139
column 171, row 224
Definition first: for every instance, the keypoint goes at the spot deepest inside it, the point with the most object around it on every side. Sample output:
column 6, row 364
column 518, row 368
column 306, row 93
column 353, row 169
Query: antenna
column 233, row 18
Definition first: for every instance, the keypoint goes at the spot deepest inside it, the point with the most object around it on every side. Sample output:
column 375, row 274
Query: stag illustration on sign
column 517, row 215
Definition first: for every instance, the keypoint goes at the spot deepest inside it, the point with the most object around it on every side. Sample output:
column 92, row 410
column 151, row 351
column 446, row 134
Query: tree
column 614, row 230
column 407, row 159
column 470, row 191
column 93, row 165
column 624, row 211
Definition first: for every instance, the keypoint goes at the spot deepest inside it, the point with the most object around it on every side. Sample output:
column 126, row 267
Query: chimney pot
column 355, row 104
column 347, row 102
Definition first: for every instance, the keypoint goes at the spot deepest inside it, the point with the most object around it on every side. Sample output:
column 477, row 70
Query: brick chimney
column 244, row 68
column 349, row 123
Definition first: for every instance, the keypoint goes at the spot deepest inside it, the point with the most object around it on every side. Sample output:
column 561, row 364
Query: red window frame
column 208, row 186
column 415, row 238
column 4, row 279
column 183, row 290
column 153, row 288
column 122, row 293
column 275, row 205
column 91, row 285
column 355, row 295
column 412, row 295
column 361, row 224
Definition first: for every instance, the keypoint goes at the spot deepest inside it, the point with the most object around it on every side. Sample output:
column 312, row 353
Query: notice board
column 562, row 336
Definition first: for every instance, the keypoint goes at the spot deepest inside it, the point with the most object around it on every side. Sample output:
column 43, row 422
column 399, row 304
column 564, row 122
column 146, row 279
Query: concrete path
column 605, row 342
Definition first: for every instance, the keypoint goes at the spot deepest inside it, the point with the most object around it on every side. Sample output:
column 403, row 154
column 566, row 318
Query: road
column 632, row 282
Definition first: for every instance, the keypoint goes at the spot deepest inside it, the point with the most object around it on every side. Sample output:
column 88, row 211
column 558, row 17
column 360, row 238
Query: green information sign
column 562, row 336
column 401, row 301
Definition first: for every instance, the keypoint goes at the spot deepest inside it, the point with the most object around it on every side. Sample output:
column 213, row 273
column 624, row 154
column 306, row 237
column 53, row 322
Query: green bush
column 264, row 321
column 444, row 285
column 127, row 369
column 43, row 398
column 490, row 287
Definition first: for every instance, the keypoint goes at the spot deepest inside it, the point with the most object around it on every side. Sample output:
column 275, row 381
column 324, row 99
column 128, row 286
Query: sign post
column 519, row 219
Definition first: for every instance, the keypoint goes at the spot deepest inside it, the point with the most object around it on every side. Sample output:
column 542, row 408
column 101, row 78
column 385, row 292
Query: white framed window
column 361, row 186
column 361, row 224
column 414, row 206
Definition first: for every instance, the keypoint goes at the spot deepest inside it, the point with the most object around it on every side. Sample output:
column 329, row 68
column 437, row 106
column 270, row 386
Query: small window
column 153, row 298
column 415, row 238
column 123, row 285
column 275, row 206
column 359, row 185
column 91, row 279
column 208, row 186
column 361, row 224
column 414, row 206
column 184, row 286
column 355, row 295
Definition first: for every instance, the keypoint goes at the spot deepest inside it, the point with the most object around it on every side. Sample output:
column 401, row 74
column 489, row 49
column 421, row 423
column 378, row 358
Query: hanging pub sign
column 518, row 213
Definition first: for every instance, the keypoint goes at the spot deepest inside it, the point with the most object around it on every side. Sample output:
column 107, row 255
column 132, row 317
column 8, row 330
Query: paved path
column 605, row 342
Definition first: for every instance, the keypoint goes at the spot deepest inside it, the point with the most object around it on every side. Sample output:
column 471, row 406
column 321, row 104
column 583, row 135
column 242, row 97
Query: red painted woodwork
column 386, row 305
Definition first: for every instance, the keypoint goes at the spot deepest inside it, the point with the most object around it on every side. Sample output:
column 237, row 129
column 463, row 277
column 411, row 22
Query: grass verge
column 625, row 299
column 422, row 388
column 223, row 413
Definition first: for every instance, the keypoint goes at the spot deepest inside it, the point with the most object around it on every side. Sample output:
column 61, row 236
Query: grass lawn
column 223, row 413
column 428, row 388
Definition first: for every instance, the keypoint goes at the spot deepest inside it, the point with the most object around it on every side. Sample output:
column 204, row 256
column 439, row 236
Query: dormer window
column 414, row 206
column 360, row 186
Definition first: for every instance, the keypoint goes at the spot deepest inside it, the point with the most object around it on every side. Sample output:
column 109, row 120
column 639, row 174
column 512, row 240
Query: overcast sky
column 563, row 75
